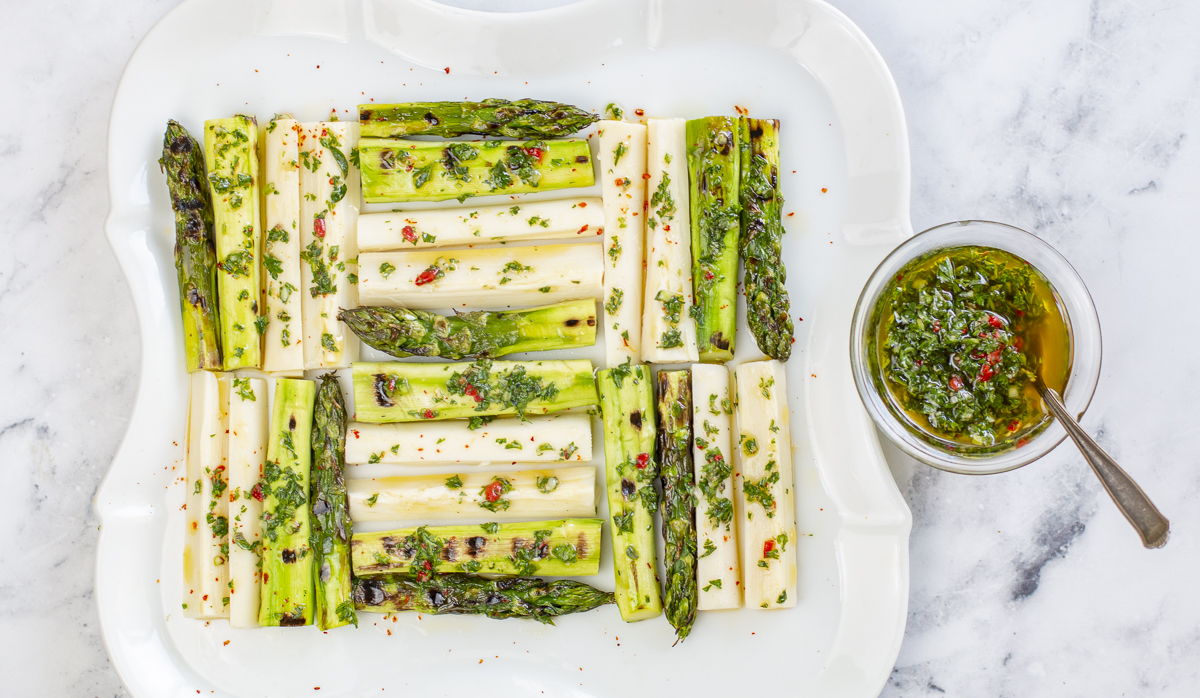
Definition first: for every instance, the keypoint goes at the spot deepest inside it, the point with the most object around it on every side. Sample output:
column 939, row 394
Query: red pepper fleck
column 427, row 414
column 447, row 70
column 985, row 372
column 535, row 153
column 582, row 204
column 994, row 357
column 493, row 491
column 1020, row 313
column 995, row 321
column 708, row 275
column 1012, row 426
column 410, row 233
column 585, row 227
column 667, row 227
column 1022, row 442
column 639, row 112
column 643, row 459
column 257, row 491
column 356, row 434
column 768, row 546
column 319, row 227
column 645, row 175
column 955, row 383
column 937, row 325
column 427, row 277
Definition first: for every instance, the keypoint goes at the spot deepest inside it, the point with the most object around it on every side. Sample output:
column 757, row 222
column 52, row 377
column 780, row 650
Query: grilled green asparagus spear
column 713, row 172
column 567, row 547
column 331, row 529
column 195, row 254
column 767, row 303
column 680, row 596
column 627, row 403
column 287, row 579
column 403, row 391
column 400, row 170
column 231, row 154
column 524, row 118
column 512, row 597
column 402, row 332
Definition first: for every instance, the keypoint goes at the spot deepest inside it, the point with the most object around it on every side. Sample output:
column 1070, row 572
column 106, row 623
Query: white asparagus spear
column 481, row 279
column 716, row 542
column 205, row 561
column 765, row 488
column 248, row 430
column 668, row 329
column 536, row 220
column 622, row 158
column 504, row 496
column 555, row 438
column 329, row 194
column 203, row 446
column 283, row 349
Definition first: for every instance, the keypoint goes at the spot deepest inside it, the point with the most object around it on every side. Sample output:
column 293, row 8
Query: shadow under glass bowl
column 1074, row 301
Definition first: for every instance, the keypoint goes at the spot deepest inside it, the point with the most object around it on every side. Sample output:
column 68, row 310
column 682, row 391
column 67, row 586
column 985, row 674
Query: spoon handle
column 1151, row 525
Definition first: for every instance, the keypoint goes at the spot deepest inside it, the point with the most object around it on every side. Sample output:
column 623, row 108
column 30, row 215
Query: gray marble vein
column 1076, row 119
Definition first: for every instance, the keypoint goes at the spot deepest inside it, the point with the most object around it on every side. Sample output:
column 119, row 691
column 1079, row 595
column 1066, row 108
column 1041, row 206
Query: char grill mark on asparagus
column 678, row 503
column 195, row 251
column 331, row 527
column 523, row 118
column 767, row 304
column 513, row 597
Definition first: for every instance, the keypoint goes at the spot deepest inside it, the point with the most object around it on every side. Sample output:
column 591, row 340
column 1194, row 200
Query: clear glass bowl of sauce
column 949, row 333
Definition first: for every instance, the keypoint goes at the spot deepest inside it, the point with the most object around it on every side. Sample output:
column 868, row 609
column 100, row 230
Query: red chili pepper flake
column 994, row 357
column 428, row 414
column 427, row 277
column 493, row 491
column 937, row 325
column 447, row 70
column 535, row 153
column 645, row 175
column 1022, row 442
column 410, row 233
column 1013, row 425
column 1020, row 313
column 768, row 546
column 585, row 227
column 985, row 372
column 356, row 434
column 319, row 227
column 667, row 227
column 256, row 492
column 639, row 112
column 956, row 383
column 472, row 391
column 709, row 276
column 643, row 459
column 621, row 181
column 995, row 321
column 823, row 190
column 582, row 204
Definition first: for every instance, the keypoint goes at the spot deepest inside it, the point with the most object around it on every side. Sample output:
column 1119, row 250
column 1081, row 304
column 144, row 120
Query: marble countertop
column 1071, row 119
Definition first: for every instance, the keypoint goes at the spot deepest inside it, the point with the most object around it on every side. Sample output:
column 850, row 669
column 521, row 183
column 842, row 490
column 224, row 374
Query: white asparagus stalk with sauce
column 576, row 218
column 283, row 348
column 717, row 571
column 764, row 484
column 556, row 438
column 494, row 496
column 483, row 279
column 249, row 425
column 668, row 329
column 205, row 553
column 329, row 194
column 622, row 158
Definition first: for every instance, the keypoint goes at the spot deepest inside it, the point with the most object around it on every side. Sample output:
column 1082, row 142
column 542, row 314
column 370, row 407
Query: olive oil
column 960, row 334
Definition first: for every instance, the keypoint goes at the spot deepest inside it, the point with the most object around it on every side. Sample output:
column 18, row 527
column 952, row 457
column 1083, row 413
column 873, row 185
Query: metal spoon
column 1151, row 525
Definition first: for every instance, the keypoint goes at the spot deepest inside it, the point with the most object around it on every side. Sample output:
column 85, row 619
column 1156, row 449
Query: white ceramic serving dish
column 844, row 136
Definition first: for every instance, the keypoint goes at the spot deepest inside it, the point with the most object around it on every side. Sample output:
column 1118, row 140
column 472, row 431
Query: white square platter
column 843, row 133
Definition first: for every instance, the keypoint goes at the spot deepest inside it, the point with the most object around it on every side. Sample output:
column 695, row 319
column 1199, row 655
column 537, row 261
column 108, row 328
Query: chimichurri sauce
column 960, row 334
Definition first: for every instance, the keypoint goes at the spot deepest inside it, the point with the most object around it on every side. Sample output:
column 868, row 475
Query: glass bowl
column 1074, row 300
